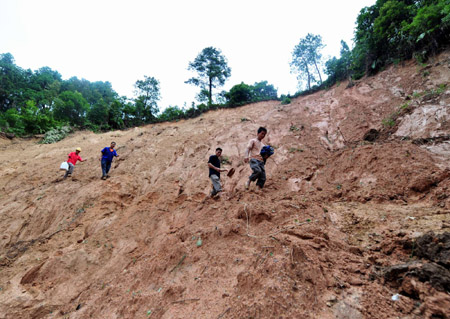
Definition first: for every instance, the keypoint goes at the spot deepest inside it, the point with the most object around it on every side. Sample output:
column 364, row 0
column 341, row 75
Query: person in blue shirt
column 108, row 153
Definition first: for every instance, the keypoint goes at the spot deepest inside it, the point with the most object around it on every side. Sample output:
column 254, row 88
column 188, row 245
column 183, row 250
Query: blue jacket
column 108, row 155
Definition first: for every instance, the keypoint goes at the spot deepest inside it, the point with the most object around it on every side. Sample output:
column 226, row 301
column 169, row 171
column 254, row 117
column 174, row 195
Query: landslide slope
column 335, row 234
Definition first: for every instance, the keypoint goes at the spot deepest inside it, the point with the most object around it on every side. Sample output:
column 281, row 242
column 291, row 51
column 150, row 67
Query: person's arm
column 247, row 151
column 216, row 168
column 101, row 155
column 115, row 154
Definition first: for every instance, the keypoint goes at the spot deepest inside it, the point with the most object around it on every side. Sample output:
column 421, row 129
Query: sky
column 123, row 41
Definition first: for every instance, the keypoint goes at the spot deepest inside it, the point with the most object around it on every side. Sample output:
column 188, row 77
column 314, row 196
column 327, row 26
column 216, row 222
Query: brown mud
column 353, row 222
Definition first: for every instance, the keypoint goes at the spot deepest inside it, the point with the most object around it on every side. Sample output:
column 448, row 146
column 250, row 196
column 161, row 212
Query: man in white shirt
column 253, row 156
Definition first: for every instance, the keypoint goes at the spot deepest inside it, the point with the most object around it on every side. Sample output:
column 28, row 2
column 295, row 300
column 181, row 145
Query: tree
column 340, row 69
column 46, row 83
column 212, row 70
column 306, row 57
column 239, row 94
column 12, row 82
column 115, row 114
column 262, row 91
column 171, row 113
column 147, row 92
column 71, row 107
column 98, row 114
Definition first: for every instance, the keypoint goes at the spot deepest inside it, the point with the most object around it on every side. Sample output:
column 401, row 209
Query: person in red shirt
column 72, row 160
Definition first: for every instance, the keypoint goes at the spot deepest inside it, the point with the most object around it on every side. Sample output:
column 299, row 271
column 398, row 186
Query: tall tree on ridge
column 212, row 70
column 306, row 57
column 148, row 94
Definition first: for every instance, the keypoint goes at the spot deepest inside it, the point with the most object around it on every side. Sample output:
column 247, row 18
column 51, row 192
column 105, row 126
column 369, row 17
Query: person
column 108, row 153
column 72, row 160
column 256, row 160
column 214, row 171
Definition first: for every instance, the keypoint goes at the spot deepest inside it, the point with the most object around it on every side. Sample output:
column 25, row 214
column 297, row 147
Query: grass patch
column 295, row 149
column 388, row 122
column 404, row 106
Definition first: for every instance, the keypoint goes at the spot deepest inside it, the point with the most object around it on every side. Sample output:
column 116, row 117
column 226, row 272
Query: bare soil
column 349, row 225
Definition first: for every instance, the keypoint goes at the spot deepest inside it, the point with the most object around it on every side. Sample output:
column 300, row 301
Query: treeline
column 389, row 32
column 34, row 102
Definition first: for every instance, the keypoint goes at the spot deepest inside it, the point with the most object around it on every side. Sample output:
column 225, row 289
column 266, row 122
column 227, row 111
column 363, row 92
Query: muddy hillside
column 354, row 221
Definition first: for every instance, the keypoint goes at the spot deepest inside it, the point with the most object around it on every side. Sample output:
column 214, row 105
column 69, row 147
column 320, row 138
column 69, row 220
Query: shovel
column 231, row 172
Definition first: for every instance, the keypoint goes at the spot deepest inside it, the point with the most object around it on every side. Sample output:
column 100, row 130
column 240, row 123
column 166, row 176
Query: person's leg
column 262, row 176
column 69, row 171
column 216, row 184
column 108, row 167
column 103, row 168
column 256, row 170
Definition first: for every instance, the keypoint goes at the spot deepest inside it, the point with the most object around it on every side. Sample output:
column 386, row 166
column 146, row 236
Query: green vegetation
column 285, row 100
column 306, row 58
column 241, row 94
column 36, row 102
column 404, row 106
column 433, row 93
column 212, row 70
column 56, row 134
column 388, row 122
column 42, row 102
column 295, row 149
column 392, row 31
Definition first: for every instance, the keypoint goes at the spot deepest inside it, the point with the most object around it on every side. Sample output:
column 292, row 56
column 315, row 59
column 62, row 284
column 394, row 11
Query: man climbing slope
column 72, row 160
column 108, row 153
column 214, row 171
column 257, row 158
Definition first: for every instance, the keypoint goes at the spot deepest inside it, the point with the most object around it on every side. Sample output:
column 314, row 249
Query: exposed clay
column 338, row 212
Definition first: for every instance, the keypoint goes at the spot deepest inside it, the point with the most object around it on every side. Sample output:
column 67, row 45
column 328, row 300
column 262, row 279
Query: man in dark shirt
column 214, row 171
column 108, row 153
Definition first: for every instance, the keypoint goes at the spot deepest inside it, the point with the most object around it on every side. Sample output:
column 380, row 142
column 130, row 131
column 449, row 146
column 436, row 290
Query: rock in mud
column 432, row 273
column 371, row 135
column 434, row 247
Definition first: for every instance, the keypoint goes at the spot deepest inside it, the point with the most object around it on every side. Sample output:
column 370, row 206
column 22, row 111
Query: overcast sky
column 121, row 41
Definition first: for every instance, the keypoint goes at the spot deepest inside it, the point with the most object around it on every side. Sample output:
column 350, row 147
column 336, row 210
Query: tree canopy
column 306, row 59
column 148, row 95
column 212, row 69
column 34, row 102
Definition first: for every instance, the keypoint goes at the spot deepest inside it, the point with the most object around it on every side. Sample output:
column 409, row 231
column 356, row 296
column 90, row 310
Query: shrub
column 56, row 134
column 285, row 100
column 388, row 122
